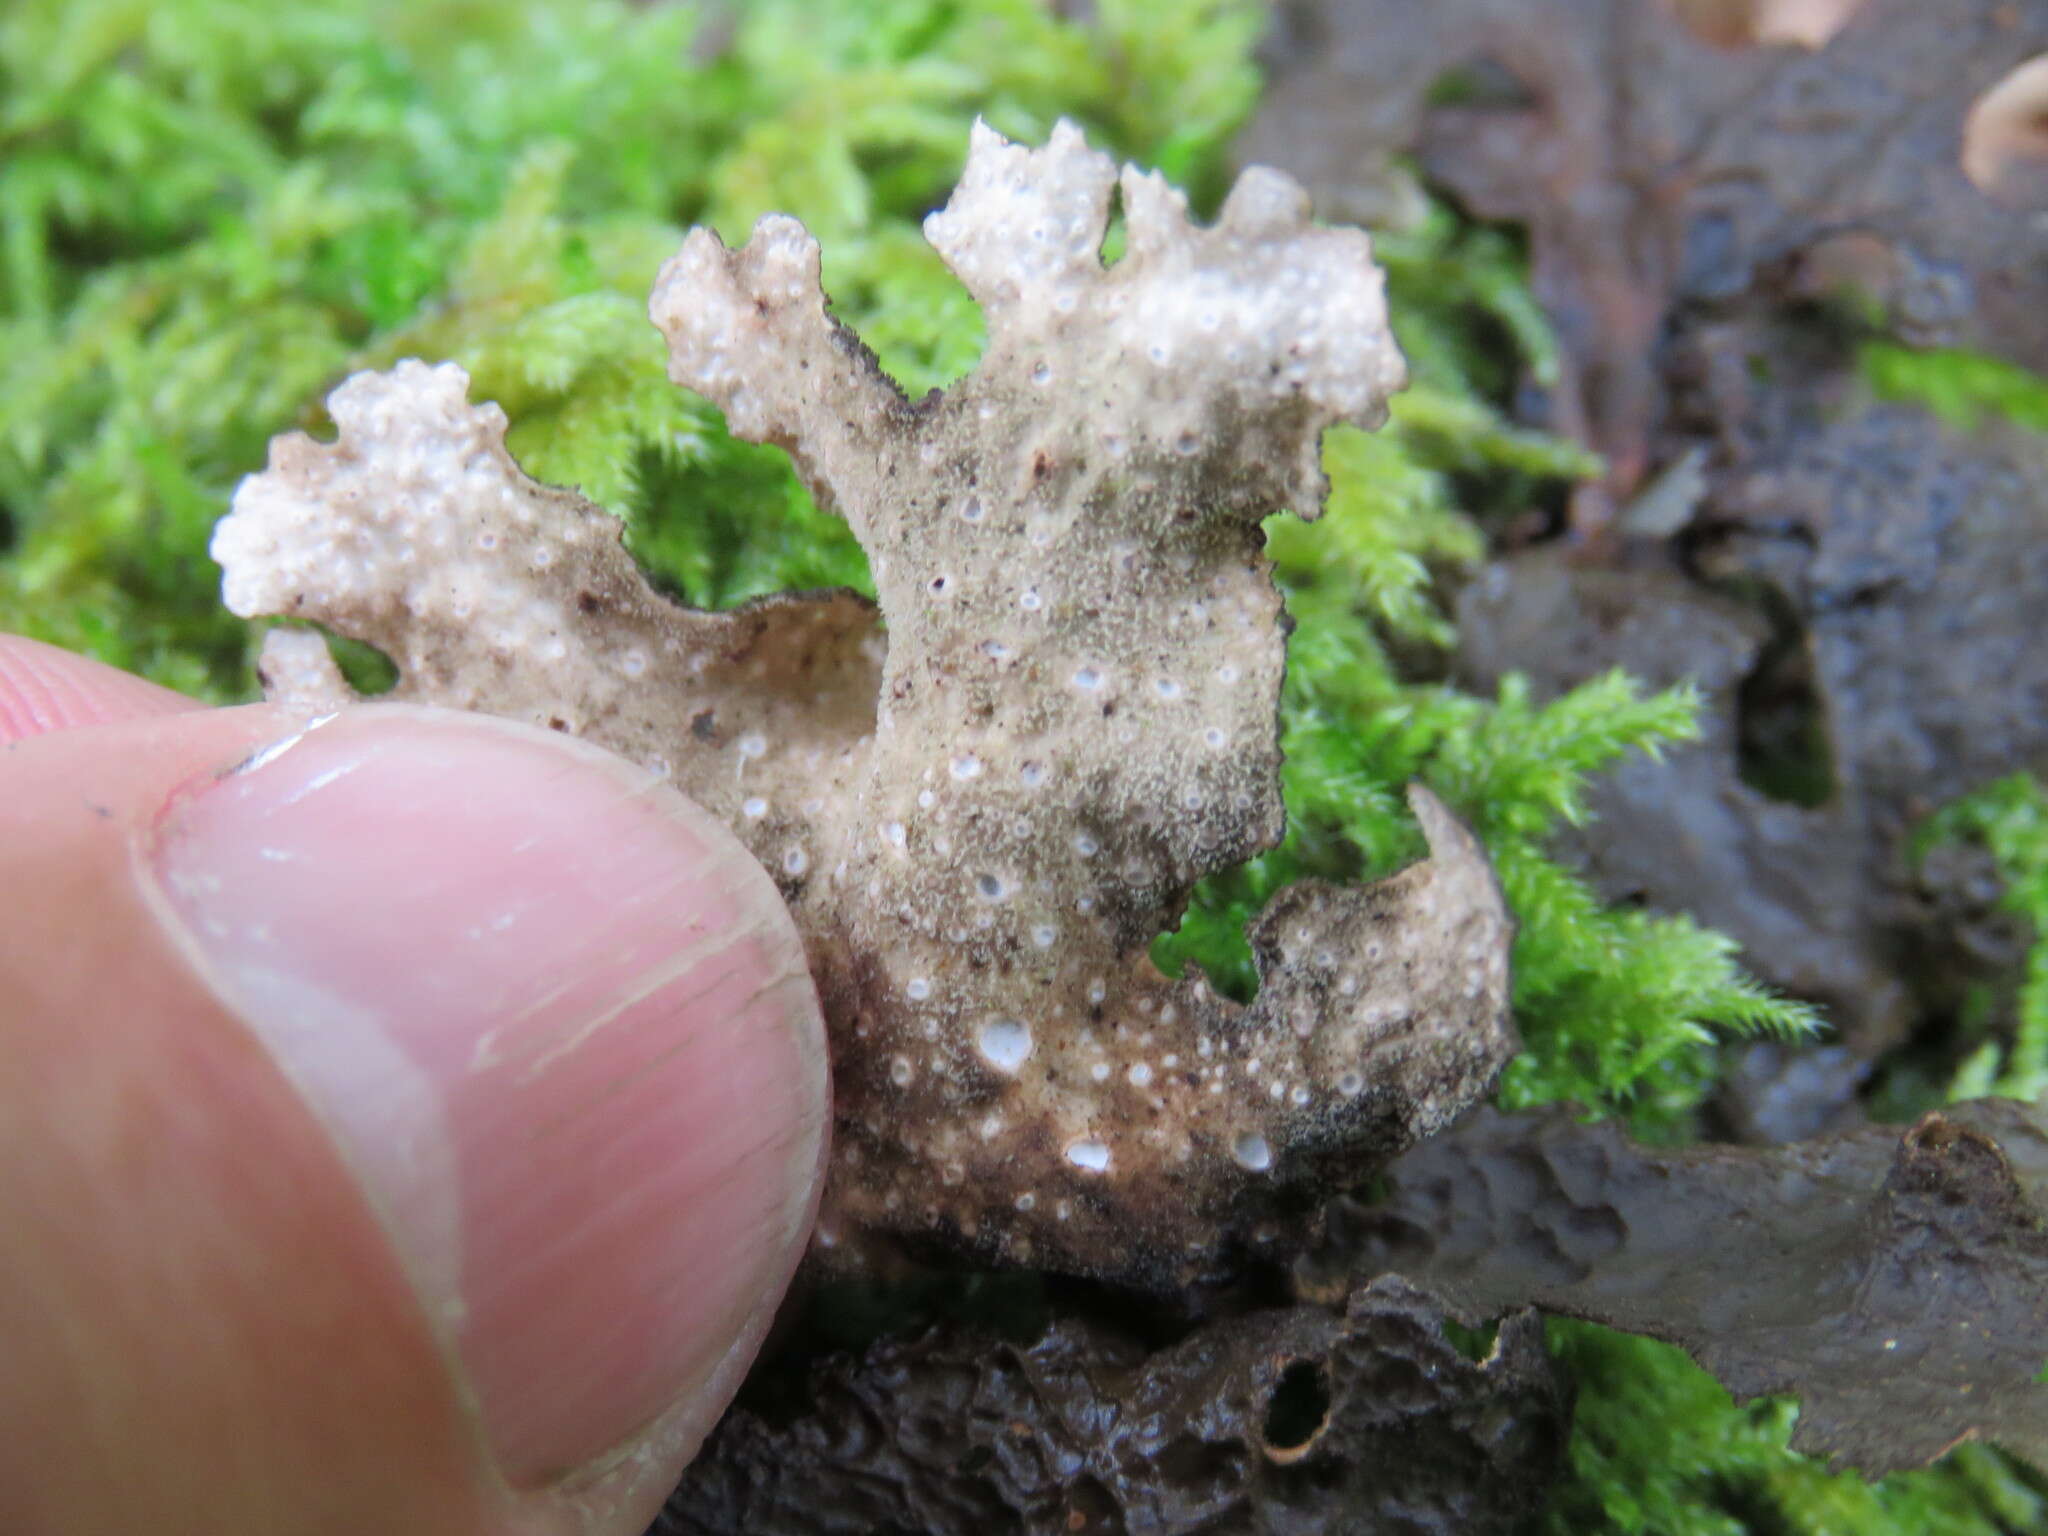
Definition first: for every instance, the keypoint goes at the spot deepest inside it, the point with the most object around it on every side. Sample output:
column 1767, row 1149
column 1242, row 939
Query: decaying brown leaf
column 1898, row 1283
column 1302, row 1420
column 982, row 818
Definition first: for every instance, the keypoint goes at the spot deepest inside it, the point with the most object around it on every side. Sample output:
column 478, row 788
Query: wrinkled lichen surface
column 983, row 803
column 1362, row 1422
column 1908, row 563
column 1897, row 1281
column 1656, row 171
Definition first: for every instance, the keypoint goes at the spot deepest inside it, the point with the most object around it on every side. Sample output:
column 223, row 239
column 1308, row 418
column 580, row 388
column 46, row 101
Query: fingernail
column 559, row 1025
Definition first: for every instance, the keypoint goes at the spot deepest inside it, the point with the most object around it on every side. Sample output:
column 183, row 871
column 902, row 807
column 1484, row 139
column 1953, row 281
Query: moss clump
column 1659, row 1449
column 2009, row 819
column 213, row 209
column 1963, row 388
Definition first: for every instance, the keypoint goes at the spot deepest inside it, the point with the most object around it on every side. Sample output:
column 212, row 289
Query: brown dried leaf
column 959, row 1433
column 1897, row 1283
column 981, row 822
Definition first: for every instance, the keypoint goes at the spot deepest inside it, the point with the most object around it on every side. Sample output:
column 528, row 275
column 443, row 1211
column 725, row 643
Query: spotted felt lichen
column 985, row 800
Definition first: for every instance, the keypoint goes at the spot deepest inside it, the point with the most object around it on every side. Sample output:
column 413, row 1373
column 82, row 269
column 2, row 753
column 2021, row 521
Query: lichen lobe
column 1084, row 1430
column 1896, row 1279
column 981, row 825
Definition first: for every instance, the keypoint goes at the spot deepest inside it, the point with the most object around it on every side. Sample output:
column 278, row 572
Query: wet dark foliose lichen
column 1895, row 1278
column 1364, row 1421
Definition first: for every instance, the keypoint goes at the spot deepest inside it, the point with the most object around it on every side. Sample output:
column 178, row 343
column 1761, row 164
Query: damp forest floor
column 1699, row 569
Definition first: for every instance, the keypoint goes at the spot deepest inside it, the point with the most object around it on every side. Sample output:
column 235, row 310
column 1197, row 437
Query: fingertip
column 553, row 1174
column 43, row 688
column 558, row 1022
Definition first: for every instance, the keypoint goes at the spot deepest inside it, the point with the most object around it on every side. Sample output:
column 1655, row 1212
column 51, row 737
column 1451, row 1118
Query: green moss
column 1659, row 1449
column 1963, row 388
column 215, row 208
column 212, row 207
column 2009, row 819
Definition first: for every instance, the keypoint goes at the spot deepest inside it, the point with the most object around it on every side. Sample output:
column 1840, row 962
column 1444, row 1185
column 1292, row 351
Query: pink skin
column 492, row 1099
column 507, row 1197
column 45, row 689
